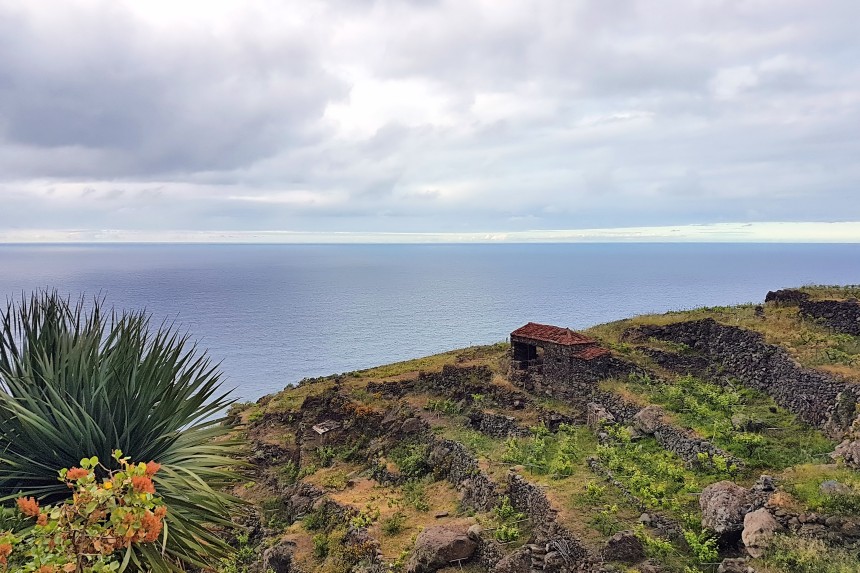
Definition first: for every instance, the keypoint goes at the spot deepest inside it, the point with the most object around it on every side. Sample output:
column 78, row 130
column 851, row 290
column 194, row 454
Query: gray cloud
column 428, row 115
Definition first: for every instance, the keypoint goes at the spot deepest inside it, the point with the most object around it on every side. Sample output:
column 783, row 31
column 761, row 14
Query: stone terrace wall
column 564, row 551
column 841, row 316
column 453, row 462
column 817, row 398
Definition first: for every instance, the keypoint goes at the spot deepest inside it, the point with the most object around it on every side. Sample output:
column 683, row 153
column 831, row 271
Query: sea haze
column 274, row 314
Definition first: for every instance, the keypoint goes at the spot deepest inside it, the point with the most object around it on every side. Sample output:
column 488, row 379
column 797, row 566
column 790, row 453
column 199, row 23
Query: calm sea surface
column 275, row 314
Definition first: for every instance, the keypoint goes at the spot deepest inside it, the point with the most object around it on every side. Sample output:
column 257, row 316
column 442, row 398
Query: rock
column 649, row 419
column 744, row 423
column 645, row 519
column 440, row 514
column 517, row 562
column 724, row 505
column 833, row 487
column 279, row 557
column 849, row 451
column 597, row 416
column 411, row 426
column 735, row 565
column 625, row 547
column 438, row 547
column 474, row 532
column 788, row 297
column 759, row 528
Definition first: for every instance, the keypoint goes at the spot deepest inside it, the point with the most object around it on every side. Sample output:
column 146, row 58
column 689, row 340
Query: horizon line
column 746, row 232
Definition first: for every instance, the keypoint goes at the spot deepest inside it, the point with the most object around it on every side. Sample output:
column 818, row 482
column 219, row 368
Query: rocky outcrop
column 817, row 398
column 840, row 315
column 440, row 546
column 759, row 529
column 724, row 505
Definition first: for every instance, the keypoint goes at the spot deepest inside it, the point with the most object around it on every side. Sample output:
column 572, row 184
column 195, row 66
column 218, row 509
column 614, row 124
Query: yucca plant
column 77, row 381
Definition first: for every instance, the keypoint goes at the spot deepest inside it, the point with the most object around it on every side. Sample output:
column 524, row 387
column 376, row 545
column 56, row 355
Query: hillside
column 684, row 448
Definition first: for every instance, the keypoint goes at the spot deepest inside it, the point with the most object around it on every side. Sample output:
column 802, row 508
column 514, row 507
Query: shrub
column 411, row 460
column 107, row 516
column 507, row 533
column 394, row 524
column 414, row 494
column 78, row 380
column 320, row 541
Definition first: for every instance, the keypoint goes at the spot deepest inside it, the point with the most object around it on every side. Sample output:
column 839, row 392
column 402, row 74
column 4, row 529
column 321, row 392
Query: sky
column 429, row 120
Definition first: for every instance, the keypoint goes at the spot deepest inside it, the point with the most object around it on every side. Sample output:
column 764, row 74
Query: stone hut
column 542, row 354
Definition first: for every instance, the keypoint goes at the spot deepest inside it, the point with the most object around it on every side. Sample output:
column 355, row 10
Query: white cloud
column 428, row 116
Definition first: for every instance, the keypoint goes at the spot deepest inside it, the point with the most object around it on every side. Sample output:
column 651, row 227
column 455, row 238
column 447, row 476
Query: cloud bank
column 428, row 118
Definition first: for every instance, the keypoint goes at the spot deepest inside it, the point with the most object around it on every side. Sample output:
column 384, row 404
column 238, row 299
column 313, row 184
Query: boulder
column 759, row 528
column 279, row 557
column 411, row 426
column 625, row 547
column 517, row 562
column 438, row 547
column 833, row 487
column 649, row 419
column 735, row 565
column 849, row 451
column 597, row 416
column 724, row 505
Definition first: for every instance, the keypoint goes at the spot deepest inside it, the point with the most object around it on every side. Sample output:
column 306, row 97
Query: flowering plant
column 87, row 533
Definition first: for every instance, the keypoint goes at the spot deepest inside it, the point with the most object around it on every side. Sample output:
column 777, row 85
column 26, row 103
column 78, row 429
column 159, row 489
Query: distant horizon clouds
column 430, row 120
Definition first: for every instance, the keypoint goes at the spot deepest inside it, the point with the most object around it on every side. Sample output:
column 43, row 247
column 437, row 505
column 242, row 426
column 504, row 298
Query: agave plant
column 76, row 381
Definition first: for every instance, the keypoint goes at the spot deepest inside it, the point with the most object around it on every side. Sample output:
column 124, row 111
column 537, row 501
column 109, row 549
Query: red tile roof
column 591, row 352
column 554, row 334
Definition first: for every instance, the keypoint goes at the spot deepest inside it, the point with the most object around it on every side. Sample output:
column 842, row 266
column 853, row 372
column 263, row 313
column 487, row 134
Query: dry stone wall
column 817, row 398
column 841, row 316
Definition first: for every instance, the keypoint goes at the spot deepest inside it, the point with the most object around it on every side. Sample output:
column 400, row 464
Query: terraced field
column 347, row 471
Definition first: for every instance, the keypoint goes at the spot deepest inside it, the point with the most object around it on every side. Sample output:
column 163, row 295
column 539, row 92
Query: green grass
column 433, row 362
column 708, row 409
column 804, row 484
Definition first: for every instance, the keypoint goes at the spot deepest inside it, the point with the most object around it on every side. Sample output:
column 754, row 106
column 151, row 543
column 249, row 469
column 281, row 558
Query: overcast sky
column 425, row 116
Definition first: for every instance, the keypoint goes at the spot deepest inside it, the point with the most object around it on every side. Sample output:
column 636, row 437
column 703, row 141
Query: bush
column 411, row 460
column 78, row 380
column 320, row 541
column 394, row 524
column 106, row 517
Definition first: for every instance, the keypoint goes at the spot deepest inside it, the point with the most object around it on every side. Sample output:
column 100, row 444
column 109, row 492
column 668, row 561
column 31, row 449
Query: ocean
column 274, row 314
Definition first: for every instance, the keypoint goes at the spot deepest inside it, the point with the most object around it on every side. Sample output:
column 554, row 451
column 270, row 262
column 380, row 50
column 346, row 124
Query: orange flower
column 142, row 484
column 28, row 506
column 42, row 519
column 151, row 527
column 5, row 551
column 47, row 569
column 76, row 473
column 161, row 511
column 152, row 468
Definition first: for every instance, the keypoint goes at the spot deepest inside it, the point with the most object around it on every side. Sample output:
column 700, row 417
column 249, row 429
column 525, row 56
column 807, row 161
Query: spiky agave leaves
column 76, row 381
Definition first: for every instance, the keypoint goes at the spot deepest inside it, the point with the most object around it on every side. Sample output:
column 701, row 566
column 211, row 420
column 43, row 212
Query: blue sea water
column 274, row 314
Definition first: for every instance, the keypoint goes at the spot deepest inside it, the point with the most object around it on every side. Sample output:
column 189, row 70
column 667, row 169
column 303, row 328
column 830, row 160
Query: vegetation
column 741, row 420
column 78, row 379
column 95, row 531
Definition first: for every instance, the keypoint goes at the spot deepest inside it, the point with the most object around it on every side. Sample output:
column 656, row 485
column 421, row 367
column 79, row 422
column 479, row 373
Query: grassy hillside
column 358, row 496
